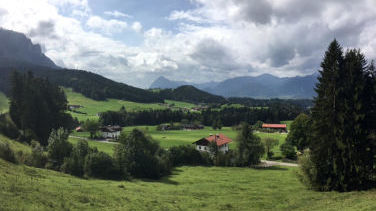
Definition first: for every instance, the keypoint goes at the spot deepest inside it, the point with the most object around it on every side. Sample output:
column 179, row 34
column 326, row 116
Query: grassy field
column 188, row 188
column 4, row 103
column 101, row 146
column 184, row 137
column 93, row 107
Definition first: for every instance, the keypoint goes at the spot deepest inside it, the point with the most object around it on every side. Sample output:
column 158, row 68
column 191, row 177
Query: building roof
column 220, row 139
column 276, row 126
column 111, row 129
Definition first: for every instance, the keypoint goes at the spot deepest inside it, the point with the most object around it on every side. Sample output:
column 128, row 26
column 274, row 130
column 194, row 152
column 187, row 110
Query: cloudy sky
column 135, row 41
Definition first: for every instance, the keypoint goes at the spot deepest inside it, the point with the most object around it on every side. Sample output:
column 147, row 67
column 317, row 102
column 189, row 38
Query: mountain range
column 261, row 87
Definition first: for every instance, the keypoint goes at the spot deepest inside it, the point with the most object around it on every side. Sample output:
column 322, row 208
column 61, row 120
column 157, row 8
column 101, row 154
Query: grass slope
column 4, row 103
column 93, row 107
column 189, row 188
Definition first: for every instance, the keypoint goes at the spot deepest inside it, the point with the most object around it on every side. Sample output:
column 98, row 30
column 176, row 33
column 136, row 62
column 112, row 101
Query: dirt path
column 268, row 163
column 102, row 140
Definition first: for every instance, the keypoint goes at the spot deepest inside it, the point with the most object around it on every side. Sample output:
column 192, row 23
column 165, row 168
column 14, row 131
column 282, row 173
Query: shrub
column 186, row 155
column 38, row 157
column 288, row 150
column 75, row 163
column 140, row 156
column 7, row 153
column 307, row 170
column 227, row 159
column 58, row 148
column 98, row 164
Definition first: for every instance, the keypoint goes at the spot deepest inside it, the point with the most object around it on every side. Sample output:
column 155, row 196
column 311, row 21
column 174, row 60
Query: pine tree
column 340, row 148
column 250, row 148
column 326, row 119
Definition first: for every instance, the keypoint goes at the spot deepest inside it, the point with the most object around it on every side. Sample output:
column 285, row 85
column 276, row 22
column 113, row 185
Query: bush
column 307, row 170
column 7, row 153
column 186, row 155
column 98, row 164
column 288, row 150
column 7, row 127
column 38, row 157
column 58, row 148
column 227, row 159
column 140, row 156
column 75, row 163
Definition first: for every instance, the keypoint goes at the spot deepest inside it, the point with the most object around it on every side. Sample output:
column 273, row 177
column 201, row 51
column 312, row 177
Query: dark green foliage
column 140, row 156
column 37, row 107
column 341, row 150
column 299, row 133
column 75, row 163
column 7, row 127
column 186, row 155
column 269, row 143
column 7, row 153
column 250, row 148
column 190, row 94
column 98, row 164
column 58, row 147
column 89, row 84
column 307, row 170
column 288, row 150
column 38, row 157
column 92, row 126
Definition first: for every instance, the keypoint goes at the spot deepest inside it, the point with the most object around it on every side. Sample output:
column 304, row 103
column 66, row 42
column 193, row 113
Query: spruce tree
column 341, row 150
column 326, row 120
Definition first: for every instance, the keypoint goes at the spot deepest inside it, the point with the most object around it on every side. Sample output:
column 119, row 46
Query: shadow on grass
column 278, row 168
column 166, row 179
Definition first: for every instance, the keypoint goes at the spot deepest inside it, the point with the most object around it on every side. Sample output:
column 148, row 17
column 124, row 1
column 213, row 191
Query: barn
column 111, row 132
column 276, row 127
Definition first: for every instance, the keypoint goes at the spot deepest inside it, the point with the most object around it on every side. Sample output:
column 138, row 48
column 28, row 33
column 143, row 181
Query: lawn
column 188, row 188
column 101, row 146
column 4, row 103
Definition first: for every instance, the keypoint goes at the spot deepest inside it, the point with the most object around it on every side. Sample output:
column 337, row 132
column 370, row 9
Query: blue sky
column 136, row 41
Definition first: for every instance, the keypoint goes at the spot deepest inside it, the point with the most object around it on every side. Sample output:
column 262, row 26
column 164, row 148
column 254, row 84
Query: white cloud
column 117, row 14
column 214, row 41
column 106, row 26
column 136, row 26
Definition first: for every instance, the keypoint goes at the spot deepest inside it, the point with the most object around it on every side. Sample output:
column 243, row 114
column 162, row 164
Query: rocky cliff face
column 16, row 47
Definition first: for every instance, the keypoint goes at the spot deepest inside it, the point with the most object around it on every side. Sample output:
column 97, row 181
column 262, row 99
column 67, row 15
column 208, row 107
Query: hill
column 188, row 188
column 4, row 104
column 263, row 86
column 164, row 83
column 190, row 93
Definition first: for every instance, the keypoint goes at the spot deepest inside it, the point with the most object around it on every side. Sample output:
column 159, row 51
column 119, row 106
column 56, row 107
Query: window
column 199, row 147
column 204, row 148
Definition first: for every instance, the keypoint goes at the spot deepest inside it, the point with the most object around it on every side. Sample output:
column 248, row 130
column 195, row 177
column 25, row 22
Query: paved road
column 268, row 163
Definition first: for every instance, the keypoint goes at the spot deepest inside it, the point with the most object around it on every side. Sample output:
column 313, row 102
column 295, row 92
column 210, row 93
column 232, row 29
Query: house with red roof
column 277, row 127
column 221, row 140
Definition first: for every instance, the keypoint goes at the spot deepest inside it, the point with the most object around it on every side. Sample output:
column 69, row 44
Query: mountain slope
column 17, row 52
column 16, row 47
column 189, row 93
column 263, row 86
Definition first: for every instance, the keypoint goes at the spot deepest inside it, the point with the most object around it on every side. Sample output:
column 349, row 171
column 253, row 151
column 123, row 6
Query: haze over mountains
column 263, row 86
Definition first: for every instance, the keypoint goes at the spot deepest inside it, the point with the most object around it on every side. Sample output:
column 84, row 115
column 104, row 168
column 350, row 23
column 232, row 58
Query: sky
column 136, row 41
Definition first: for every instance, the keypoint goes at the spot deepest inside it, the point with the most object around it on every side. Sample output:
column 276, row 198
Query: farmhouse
column 111, row 132
column 73, row 107
column 221, row 140
column 276, row 127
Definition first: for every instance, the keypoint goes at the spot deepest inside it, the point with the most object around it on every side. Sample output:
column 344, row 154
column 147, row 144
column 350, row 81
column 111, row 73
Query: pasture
column 188, row 188
column 171, row 138
column 92, row 107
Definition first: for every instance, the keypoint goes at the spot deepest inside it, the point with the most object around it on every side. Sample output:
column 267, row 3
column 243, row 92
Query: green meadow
column 171, row 138
column 188, row 188
column 4, row 103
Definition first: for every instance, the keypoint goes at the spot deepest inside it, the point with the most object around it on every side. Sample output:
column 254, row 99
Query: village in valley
column 187, row 105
